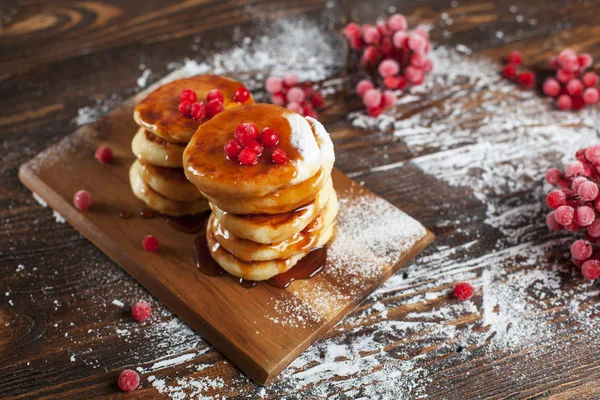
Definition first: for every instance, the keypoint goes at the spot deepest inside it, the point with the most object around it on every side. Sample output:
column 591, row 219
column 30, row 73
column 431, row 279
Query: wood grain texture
column 40, row 96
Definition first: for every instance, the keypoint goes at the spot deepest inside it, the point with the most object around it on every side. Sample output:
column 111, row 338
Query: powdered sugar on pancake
column 324, row 142
column 303, row 140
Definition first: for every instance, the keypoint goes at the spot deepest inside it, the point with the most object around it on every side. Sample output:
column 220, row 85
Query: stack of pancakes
column 157, row 177
column 265, row 217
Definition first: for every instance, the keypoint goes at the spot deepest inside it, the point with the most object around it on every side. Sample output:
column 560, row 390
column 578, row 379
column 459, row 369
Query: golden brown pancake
column 149, row 148
column 301, row 242
column 158, row 202
column 159, row 111
column 170, row 182
column 206, row 165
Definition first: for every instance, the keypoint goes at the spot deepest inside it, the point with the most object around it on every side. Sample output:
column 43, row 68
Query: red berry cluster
column 189, row 106
column 392, row 55
column 573, row 86
column 576, row 206
column 512, row 71
column 299, row 97
column 248, row 145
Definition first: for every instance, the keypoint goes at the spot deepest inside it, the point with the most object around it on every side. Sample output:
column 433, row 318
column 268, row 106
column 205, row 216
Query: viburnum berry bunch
column 573, row 86
column 391, row 55
column 576, row 206
column 249, row 145
column 513, row 71
column 303, row 98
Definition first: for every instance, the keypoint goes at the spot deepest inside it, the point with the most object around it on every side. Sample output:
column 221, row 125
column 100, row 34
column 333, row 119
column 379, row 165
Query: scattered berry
column 269, row 137
column 515, row 58
column 188, row 95
column 104, row 154
column 215, row 94
column 463, row 291
column 82, row 200
column 233, row 148
column 241, row 95
column 128, row 380
column 510, row 71
column 279, row 156
column 527, row 79
column 141, row 311
column 214, row 107
column 150, row 243
column 198, row 111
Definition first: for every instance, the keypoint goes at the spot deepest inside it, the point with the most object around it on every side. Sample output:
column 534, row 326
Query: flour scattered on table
column 142, row 81
column 57, row 217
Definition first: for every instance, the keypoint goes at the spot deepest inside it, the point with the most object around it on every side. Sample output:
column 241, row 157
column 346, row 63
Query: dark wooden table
column 63, row 335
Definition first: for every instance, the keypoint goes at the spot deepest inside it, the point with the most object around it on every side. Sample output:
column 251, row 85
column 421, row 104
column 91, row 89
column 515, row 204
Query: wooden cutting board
column 262, row 329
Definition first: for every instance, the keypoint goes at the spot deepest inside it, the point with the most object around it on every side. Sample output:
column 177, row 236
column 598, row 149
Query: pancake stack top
column 157, row 177
column 267, row 216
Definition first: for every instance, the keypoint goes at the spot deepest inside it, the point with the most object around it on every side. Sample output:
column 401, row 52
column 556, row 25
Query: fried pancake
column 266, row 228
column 159, row 111
column 301, row 242
column 170, row 182
column 309, row 150
column 154, row 150
column 258, row 270
column 159, row 202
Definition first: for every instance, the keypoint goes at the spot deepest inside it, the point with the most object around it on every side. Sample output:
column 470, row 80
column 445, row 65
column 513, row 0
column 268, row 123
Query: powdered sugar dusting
column 303, row 140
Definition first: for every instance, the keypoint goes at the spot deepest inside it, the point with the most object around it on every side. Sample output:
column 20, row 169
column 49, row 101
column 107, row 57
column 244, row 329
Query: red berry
column 128, row 380
column 574, row 87
column 463, row 291
column 357, row 43
column 400, row 40
column 416, row 42
column 572, row 227
column 388, row 68
column 585, row 60
column 295, row 107
column 141, row 311
column 564, row 102
column 363, row 86
column 241, row 95
column 371, row 35
column 581, row 249
column 564, row 215
column 150, row 243
column 198, row 111
column 592, row 154
column 594, row 229
column 587, row 191
column 591, row 96
column 318, row 100
column 269, row 137
column 278, row 99
column 279, row 156
column 553, row 176
column 188, row 95
column 584, row 216
column 257, row 147
column 248, row 156
column 551, row 87
column 514, row 58
column 563, row 76
column 414, row 75
column 375, row 111
column 296, row 95
column 555, row 199
column 419, row 60
column 215, row 94
column 104, row 154
column 369, row 56
column 553, row 63
column 213, row 108
column 273, row 84
column 527, row 79
column 574, row 168
column 391, row 82
column 590, row 79
column 233, row 148
column 397, row 22
column 82, row 200
column 372, row 98
column 185, row 108
column 290, row 80
column 577, row 182
column 552, row 224
column 388, row 99
column 246, row 133
column 352, row 30
column 591, row 269
column 510, row 71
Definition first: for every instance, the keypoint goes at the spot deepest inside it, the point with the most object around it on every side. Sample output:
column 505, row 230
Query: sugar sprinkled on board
column 142, row 81
column 117, row 303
